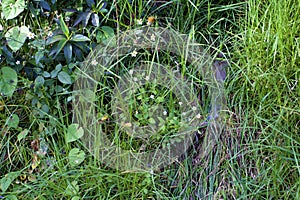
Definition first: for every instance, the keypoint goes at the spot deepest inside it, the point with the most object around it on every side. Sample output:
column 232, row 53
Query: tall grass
column 258, row 154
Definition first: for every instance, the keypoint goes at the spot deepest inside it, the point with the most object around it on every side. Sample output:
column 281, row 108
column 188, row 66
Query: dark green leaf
column 90, row 3
column 64, row 27
column 79, row 38
column 64, row 77
column 56, row 70
column 55, row 39
column 39, row 81
column 45, row 5
column 60, row 46
column 38, row 56
column 68, row 52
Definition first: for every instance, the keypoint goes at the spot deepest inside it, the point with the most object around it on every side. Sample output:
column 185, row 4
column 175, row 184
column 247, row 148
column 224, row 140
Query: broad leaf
column 55, row 39
column 95, row 19
column 7, row 180
column 68, row 52
column 79, row 38
column 90, row 3
column 64, row 27
column 13, row 121
column 64, row 78
column 12, row 8
column 16, row 37
column 74, row 133
column 8, row 81
column 76, row 156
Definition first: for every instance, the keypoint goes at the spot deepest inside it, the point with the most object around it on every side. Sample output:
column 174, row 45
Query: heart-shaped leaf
column 74, row 133
column 76, row 156
column 16, row 37
column 12, row 8
column 8, row 81
column 13, row 121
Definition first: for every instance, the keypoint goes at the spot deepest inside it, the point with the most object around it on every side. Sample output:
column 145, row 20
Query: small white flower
column 135, row 79
column 198, row 116
column 194, row 108
column 165, row 112
column 136, row 112
column 77, row 161
column 147, row 78
column 30, row 35
column 18, row 62
column 184, row 113
column 50, row 34
column 180, row 103
column 67, row 19
column 151, row 96
column 139, row 22
column 134, row 53
column 152, row 38
column 94, row 62
column 131, row 72
column 1, row 27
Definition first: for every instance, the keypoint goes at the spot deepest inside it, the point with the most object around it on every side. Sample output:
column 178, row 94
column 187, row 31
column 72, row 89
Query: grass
column 257, row 156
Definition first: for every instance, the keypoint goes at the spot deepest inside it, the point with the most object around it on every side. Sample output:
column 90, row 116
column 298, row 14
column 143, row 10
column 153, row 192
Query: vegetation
column 43, row 47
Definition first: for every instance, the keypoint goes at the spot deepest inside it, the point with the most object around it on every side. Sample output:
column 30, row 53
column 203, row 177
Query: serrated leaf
column 74, row 133
column 12, row 8
column 8, row 81
column 16, row 37
column 76, row 157
column 79, row 38
column 64, row 77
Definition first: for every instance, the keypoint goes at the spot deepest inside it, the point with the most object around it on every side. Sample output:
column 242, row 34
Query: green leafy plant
column 16, row 37
column 92, row 12
column 12, row 8
column 68, row 42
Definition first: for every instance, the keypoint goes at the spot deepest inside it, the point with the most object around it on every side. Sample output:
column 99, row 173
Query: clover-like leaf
column 16, row 37
column 13, row 121
column 76, row 156
column 12, row 8
column 74, row 133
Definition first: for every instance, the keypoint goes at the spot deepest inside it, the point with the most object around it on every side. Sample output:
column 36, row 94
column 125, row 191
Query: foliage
column 43, row 44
